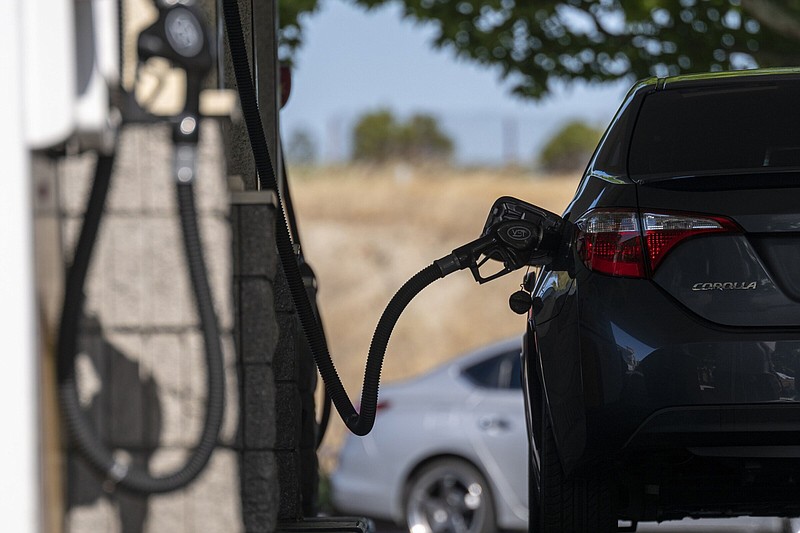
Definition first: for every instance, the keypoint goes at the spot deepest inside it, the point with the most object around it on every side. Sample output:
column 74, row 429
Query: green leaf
column 537, row 41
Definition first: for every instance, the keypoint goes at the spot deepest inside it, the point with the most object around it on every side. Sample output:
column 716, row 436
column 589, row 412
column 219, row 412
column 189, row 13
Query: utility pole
column 510, row 139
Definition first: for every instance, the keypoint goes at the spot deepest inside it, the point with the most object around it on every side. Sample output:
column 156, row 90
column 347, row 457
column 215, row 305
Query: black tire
column 449, row 496
column 558, row 503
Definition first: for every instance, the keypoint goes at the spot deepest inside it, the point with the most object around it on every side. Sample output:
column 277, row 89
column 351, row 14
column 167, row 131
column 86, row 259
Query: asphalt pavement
column 688, row 525
column 728, row 525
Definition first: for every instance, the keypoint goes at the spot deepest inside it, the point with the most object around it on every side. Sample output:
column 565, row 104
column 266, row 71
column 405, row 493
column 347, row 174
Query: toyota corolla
column 661, row 356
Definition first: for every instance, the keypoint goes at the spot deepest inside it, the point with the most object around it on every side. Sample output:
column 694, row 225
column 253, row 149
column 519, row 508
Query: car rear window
column 725, row 129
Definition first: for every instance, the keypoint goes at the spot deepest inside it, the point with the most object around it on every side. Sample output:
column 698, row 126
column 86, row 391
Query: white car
column 449, row 450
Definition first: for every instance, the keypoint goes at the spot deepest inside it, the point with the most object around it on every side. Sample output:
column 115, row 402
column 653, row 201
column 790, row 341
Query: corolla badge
column 725, row 286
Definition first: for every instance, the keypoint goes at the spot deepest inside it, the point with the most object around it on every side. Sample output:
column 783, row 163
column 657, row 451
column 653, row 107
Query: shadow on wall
column 122, row 403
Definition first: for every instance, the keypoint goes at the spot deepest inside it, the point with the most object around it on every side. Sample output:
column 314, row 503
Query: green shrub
column 570, row 148
column 379, row 137
column 375, row 136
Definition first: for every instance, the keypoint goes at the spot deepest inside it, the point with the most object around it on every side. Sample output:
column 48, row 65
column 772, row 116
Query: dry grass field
column 366, row 230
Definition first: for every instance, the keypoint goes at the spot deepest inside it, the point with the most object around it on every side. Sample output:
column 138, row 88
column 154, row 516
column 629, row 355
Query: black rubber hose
column 286, row 196
column 325, row 418
column 322, row 425
column 380, row 339
column 84, row 436
column 72, row 308
column 360, row 424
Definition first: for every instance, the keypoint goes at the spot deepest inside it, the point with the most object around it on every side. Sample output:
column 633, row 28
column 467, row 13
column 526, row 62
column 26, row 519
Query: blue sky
column 355, row 61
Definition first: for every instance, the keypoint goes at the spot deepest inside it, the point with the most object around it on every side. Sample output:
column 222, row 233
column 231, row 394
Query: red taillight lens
column 663, row 231
column 611, row 242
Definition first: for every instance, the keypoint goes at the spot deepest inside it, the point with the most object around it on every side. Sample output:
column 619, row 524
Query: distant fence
column 481, row 138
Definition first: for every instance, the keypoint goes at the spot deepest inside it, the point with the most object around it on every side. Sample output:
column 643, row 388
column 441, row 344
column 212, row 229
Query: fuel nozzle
column 516, row 234
column 181, row 36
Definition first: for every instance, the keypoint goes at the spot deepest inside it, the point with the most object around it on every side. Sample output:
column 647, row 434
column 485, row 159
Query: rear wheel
column 558, row 503
column 449, row 496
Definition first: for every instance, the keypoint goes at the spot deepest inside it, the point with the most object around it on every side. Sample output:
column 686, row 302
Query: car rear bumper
column 354, row 496
column 764, row 430
column 712, row 461
column 361, row 484
column 625, row 364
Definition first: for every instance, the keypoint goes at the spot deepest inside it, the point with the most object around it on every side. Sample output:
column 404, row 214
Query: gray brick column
column 257, row 330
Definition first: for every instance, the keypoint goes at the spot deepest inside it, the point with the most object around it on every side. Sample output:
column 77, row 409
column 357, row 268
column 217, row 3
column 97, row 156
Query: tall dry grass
column 366, row 230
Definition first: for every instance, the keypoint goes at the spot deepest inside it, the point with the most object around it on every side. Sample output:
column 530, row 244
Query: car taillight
column 621, row 243
column 663, row 231
column 611, row 242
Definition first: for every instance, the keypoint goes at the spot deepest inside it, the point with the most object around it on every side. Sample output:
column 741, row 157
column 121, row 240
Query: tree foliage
column 379, row 137
column 290, row 33
column 534, row 42
column 570, row 148
column 374, row 136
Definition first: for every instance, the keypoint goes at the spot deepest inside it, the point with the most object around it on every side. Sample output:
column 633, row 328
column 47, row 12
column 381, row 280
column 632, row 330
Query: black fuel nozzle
column 516, row 234
column 181, row 36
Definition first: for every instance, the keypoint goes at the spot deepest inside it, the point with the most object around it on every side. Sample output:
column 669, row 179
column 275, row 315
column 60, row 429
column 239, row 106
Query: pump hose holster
column 195, row 58
column 84, row 435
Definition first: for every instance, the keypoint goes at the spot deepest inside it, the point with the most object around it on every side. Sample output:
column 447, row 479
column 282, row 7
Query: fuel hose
column 361, row 422
column 309, row 279
column 84, row 435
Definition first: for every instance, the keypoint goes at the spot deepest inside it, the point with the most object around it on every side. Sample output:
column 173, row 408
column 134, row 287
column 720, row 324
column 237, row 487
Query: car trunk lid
column 744, row 277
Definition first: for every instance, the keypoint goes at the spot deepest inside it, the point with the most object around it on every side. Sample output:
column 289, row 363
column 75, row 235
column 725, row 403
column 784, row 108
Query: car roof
column 726, row 77
column 715, row 79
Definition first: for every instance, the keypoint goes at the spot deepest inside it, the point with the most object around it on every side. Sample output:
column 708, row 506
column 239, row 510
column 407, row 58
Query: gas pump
column 180, row 36
column 516, row 234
